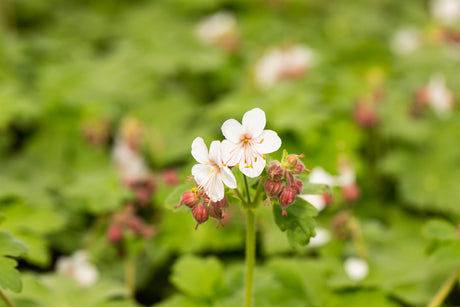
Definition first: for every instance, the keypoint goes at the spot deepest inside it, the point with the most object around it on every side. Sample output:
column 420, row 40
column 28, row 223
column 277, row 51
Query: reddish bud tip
column 200, row 213
column 298, row 186
column 114, row 233
column 215, row 211
column 189, row 199
column 292, row 159
column 286, row 197
column 275, row 171
column 273, row 188
column 351, row 192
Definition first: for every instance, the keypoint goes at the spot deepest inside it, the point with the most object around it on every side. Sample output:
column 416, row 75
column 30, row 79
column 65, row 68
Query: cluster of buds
column 281, row 182
column 125, row 222
column 202, row 207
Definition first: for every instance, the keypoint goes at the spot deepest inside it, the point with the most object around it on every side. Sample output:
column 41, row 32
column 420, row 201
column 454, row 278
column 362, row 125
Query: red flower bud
column 189, row 199
column 275, row 171
column 351, row 192
column 286, row 197
column 292, row 160
column 273, row 188
column 298, row 186
column 114, row 233
column 299, row 168
column 215, row 211
column 200, row 213
column 221, row 204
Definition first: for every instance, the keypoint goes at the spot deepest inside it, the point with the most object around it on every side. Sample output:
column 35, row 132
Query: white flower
column 129, row 163
column 215, row 27
column 356, row 268
column 439, row 96
column 317, row 200
column 406, row 40
column 319, row 176
column 246, row 144
column 211, row 174
column 79, row 268
column 280, row 63
column 322, row 237
column 446, row 12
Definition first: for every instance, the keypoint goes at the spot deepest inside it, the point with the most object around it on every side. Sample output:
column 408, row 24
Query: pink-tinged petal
column 254, row 122
column 268, row 142
column 200, row 151
column 216, row 192
column 227, row 177
column 255, row 170
column 200, row 172
column 231, row 153
column 214, row 152
column 232, row 130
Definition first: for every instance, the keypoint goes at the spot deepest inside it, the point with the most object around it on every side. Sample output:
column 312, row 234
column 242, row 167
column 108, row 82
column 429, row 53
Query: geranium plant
column 244, row 150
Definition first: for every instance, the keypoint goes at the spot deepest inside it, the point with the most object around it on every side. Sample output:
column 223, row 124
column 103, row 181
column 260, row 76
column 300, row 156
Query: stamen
column 261, row 141
column 255, row 159
column 263, row 157
column 223, row 164
column 237, row 166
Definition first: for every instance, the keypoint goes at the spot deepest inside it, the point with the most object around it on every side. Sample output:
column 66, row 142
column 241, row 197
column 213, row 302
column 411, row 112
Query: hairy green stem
column 250, row 254
column 445, row 289
column 4, row 298
column 247, row 189
column 240, row 195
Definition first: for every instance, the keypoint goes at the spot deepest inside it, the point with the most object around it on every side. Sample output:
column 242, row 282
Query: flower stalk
column 445, row 289
column 5, row 299
column 250, row 254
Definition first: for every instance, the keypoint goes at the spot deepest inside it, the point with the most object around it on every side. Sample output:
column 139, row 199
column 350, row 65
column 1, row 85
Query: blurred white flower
column 130, row 164
column 406, row 40
column 317, row 200
column 320, row 176
column 79, row 268
column 217, row 27
column 447, row 12
column 440, row 97
column 356, row 268
column 322, row 237
column 281, row 63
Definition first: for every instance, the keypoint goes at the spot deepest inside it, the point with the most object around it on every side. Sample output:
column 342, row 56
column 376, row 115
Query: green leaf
column 10, row 246
column 298, row 224
column 197, row 277
column 9, row 276
column 441, row 230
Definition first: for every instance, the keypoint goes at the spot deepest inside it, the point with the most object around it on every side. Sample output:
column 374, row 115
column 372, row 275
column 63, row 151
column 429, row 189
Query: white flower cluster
column 245, row 147
column 78, row 267
column 281, row 63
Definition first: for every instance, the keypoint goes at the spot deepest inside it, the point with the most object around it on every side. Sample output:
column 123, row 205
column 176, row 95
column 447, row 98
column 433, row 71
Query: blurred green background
column 101, row 99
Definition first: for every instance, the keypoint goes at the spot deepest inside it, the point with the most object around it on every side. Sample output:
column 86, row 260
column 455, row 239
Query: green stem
column 247, row 189
column 240, row 195
column 7, row 301
column 445, row 289
column 250, row 254
column 130, row 276
column 259, row 189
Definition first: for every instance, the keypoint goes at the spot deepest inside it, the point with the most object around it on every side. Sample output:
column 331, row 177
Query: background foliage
column 72, row 72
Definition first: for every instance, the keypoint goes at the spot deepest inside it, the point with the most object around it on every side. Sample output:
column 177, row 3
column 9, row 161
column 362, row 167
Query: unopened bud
column 215, row 211
column 273, row 188
column 286, row 197
column 200, row 213
column 275, row 171
column 114, row 233
column 292, row 160
column 351, row 192
column 299, row 168
column 298, row 186
column 189, row 199
column 221, row 204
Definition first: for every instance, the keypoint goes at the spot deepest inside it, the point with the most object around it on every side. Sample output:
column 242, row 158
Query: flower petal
column 216, row 191
column 214, row 152
column 268, row 142
column 200, row 172
column 227, row 177
column 232, row 130
column 254, row 122
column 255, row 170
column 231, row 153
column 200, row 151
